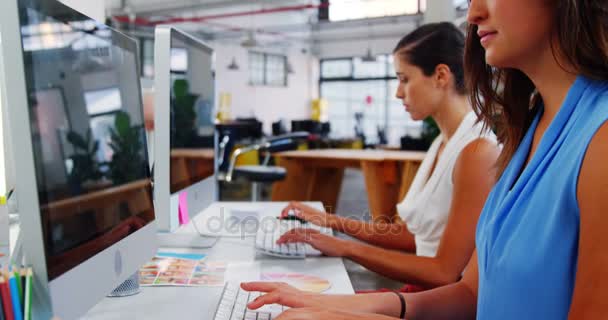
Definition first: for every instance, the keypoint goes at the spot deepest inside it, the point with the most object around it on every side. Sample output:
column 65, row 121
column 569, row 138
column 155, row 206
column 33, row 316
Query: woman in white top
column 441, row 209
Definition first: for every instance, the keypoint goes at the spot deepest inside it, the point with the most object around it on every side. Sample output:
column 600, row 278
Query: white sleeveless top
column 426, row 206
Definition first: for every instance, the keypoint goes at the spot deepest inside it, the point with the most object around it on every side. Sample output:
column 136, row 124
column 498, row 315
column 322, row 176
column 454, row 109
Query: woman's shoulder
column 478, row 157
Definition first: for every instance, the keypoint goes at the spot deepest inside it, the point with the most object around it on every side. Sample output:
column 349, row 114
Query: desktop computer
column 184, row 162
column 86, row 210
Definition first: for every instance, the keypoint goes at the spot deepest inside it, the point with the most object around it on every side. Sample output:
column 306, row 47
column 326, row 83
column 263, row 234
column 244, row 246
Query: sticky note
column 184, row 217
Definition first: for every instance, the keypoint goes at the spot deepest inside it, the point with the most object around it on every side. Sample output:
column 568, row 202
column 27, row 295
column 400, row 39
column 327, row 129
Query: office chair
column 263, row 173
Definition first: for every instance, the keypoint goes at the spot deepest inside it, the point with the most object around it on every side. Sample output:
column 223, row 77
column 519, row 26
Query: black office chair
column 264, row 173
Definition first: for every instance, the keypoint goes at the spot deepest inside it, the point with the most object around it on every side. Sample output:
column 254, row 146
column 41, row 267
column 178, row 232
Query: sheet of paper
column 184, row 216
column 176, row 269
column 236, row 221
column 243, row 272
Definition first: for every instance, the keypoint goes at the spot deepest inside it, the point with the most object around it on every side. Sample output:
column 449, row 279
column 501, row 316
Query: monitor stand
column 185, row 240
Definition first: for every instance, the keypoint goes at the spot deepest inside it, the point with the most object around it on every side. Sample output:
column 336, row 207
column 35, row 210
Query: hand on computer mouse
column 306, row 213
column 328, row 245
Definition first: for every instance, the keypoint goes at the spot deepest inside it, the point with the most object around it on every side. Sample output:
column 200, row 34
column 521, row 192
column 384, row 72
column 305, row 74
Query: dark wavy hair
column 502, row 97
column 433, row 44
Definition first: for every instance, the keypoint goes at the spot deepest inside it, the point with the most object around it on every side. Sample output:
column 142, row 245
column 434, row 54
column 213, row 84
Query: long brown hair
column 502, row 97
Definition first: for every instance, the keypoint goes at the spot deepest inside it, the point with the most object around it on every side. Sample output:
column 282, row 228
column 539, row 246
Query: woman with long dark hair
column 433, row 240
column 538, row 71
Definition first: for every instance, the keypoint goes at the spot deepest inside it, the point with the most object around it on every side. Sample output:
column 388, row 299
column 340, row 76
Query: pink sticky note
column 184, row 217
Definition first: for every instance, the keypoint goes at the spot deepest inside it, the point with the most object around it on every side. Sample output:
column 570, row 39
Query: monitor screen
column 87, row 132
column 192, row 97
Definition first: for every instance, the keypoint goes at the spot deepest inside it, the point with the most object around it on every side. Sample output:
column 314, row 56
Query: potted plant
column 127, row 146
column 430, row 131
column 184, row 115
column 86, row 170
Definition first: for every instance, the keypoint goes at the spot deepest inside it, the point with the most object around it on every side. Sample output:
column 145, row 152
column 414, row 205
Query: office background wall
column 267, row 103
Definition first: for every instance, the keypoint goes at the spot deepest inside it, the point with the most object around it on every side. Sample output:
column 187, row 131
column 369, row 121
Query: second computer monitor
column 184, row 163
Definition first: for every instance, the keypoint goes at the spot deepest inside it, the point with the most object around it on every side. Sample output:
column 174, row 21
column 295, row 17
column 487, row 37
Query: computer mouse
column 291, row 216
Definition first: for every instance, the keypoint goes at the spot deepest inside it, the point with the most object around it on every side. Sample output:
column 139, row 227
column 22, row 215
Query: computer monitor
column 184, row 162
column 86, row 225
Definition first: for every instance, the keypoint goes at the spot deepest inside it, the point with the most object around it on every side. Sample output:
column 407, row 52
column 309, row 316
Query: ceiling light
column 233, row 65
column 251, row 41
column 369, row 57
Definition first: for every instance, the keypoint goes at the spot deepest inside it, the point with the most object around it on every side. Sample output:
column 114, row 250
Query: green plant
column 84, row 163
column 126, row 143
column 184, row 114
column 430, row 130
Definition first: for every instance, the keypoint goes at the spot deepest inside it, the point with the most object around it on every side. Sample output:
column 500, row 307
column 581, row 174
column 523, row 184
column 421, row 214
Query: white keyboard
column 233, row 305
column 267, row 236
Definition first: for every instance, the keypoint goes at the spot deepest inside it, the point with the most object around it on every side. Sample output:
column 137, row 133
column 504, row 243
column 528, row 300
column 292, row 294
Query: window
column 267, row 69
column 352, row 86
column 179, row 60
column 103, row 101
column 147, row 57
column 337, row 68
column 340, row 10
column 102, row 106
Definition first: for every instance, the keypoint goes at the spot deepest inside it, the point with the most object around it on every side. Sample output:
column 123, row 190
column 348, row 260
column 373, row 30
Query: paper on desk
column 230, row 221
column 177, row 269
column 243, row 272
column 301, row 281
column 184, row 216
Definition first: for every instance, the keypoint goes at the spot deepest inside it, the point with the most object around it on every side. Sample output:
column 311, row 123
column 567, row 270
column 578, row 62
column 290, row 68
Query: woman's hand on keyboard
column 280, row 293
column 305, row 305
column 307, row 213
column 328, row 245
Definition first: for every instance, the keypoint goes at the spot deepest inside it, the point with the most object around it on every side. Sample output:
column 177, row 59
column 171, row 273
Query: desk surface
column 353, row 154
column 200, row 302
column 193, row 153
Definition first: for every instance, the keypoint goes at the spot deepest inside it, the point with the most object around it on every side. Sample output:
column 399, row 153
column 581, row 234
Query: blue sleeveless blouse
column 527, row 234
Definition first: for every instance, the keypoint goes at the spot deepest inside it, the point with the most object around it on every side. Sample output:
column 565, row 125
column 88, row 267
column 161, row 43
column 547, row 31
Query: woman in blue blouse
column 538, row 72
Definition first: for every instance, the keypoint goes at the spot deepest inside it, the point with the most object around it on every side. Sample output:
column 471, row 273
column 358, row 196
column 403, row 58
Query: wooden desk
column 189, row 166
column 316, row 175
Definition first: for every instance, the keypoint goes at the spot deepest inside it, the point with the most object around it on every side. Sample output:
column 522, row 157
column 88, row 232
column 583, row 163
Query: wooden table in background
column 189, row 166
column 316, row 175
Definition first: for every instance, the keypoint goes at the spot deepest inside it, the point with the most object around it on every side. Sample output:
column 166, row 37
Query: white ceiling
column 297, row 27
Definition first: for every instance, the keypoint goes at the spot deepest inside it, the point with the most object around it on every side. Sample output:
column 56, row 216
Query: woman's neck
column 450, row 115
column 551, row 81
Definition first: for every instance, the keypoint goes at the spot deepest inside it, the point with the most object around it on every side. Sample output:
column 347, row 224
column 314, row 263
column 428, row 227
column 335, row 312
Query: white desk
column 200, row 302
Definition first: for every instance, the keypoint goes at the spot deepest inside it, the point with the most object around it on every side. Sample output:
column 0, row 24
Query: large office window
column 146, row 46
column 267, row 69
column 354, row 88
column 102, row 106
column 340, row 10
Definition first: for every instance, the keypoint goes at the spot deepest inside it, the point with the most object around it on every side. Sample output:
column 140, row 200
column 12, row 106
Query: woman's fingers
column 269, row 298
column 297, row 235
column 261, row 286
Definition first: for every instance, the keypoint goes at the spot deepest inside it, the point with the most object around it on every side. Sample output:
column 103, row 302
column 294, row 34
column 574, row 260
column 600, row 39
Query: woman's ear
column 442, row 76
